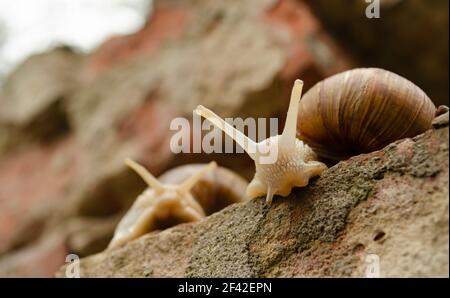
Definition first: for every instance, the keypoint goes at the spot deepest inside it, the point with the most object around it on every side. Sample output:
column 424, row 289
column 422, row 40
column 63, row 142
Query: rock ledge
column 392, row 203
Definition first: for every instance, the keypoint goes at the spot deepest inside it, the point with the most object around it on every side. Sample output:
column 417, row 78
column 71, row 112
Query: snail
column 360, row 110
column 184, row 194
column 294, row 163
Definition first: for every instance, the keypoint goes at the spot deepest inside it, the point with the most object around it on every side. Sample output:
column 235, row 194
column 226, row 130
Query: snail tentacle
column 269, row 195
column 288, row 136
column 245, row 142
column 187, row 184
column 145, row 175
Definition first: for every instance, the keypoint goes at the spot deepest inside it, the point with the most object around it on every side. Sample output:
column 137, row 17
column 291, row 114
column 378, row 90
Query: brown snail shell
column 362, row 110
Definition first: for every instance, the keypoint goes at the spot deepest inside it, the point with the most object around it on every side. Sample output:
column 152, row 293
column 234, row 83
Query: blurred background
column 86, row 83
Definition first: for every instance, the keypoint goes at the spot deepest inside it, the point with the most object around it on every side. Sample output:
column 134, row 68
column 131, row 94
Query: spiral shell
column 362, row 110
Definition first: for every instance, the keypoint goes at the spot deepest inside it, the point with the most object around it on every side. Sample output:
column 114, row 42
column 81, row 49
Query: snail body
column 362, row 110
column 294, row 162
column 170, row 200
column 214, row 190
column 356, row 111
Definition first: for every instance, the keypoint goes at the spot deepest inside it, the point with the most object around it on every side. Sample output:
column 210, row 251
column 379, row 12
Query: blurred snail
column 184, row 194
column 356, row 111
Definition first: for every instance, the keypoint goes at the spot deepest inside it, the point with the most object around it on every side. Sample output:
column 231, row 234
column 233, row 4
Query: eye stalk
column 151, row 181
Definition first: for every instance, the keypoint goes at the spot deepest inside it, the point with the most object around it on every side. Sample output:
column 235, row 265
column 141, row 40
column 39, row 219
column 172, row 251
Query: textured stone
column 38, row 260
column 33, row 186
column 38, row 82
column 392, row 203
column 165, row 24
column 31, row 98
column 89, row 235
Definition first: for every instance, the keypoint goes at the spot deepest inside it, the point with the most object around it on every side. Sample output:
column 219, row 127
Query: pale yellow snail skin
column 295, row 162
column 159, row 202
